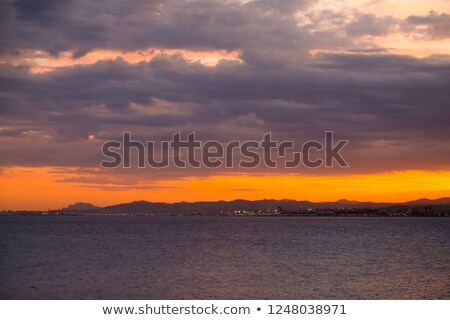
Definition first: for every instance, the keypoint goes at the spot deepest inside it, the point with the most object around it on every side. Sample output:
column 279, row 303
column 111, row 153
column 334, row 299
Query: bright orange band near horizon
column 24, row 188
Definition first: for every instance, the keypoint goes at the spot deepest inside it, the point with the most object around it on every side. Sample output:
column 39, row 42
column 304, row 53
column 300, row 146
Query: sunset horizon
column 373, row 72
column 363, row 188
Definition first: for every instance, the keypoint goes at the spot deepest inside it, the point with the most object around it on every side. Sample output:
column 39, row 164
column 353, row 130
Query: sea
column 180, row 257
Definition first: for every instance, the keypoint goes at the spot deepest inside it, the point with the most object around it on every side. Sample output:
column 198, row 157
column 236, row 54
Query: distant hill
column 81, row 206
column 425, row 201
column 229, row 206
column 205, row 207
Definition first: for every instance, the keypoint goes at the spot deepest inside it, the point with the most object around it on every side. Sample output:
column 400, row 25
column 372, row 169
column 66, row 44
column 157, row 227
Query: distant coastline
column 267, row 207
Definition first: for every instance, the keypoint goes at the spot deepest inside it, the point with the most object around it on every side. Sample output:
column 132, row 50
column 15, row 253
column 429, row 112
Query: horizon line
column 229, row 201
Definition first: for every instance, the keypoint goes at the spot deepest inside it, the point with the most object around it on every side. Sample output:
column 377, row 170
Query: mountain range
column 247, row 205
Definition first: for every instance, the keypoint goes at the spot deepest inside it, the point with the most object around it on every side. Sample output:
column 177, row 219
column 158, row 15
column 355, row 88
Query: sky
column 75, row 74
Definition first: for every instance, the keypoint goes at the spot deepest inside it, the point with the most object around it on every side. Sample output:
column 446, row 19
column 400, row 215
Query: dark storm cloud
column 37, row 11
column 394, row 109
column 402, row 101
column 438, row 25
column 370, row 24
column 285, row 6
column 82, row 26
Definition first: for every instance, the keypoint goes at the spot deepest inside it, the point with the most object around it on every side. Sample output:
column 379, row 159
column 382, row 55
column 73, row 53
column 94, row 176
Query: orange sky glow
column 38, row 188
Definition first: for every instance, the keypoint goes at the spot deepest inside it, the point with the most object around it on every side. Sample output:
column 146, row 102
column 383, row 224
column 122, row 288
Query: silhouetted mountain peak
column 426, row 201
column 80, row 206
column 346, row 201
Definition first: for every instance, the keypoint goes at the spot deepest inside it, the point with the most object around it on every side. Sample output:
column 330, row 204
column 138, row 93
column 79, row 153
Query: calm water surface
column 224, row 258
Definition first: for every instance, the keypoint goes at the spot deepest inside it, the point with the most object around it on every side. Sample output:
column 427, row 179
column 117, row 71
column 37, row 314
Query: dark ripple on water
column 224, row 258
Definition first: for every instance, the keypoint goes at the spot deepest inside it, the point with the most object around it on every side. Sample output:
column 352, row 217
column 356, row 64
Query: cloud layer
column 393, row 108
